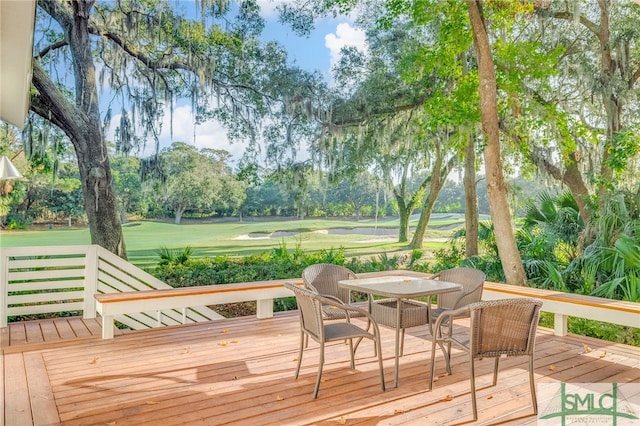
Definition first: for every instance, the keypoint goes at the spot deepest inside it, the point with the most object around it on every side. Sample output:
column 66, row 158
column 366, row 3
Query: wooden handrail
column 564, row 305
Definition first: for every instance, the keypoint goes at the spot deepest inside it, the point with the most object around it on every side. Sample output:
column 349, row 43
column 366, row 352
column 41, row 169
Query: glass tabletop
column 399, row 286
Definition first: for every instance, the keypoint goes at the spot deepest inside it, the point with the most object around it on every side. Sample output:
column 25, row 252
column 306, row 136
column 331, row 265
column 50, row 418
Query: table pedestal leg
column 397, row 366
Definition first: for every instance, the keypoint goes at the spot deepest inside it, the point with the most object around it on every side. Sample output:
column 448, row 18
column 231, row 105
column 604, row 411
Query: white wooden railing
column 91, row 279
column 51, row 279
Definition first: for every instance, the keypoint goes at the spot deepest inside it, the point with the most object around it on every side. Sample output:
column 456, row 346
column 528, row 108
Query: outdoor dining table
column 399, row 288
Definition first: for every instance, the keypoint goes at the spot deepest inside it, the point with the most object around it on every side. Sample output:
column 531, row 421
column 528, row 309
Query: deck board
column 17, row 410
column 43, row 407
column 240, row 372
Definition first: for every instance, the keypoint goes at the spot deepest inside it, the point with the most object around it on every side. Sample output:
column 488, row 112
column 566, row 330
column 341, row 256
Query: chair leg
column 320, row 364
column 302, row 345
column 433, row 360
column 449, row 346
column 352, row 354
column 447, row 357
column 534, row 399
column 495, row 370
column 379, row 353
column 472, row 378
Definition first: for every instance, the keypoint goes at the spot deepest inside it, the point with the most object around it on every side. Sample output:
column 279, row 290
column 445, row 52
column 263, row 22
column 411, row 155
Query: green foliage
column 279, row 263
column 384, row 262
column 560, row 253
column 611, row 262
column 597, row 329
column 174, row 256
column 197, row 180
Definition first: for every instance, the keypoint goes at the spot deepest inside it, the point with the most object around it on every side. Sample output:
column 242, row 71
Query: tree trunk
column 471, row 199
column 404, row 213
column 418, row 236
column 496, row 186
column 612, row 103
column 81, row 123
column 438, row 177
column 570, row 176
column 178, row 216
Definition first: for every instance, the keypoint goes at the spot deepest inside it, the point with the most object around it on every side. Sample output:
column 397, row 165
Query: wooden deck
column 240, row 371
column 46, row 332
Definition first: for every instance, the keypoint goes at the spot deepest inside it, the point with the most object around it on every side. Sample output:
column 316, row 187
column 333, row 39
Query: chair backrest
column 310, row 310
column 504, row 327
column 324, row 277
column 472, row 281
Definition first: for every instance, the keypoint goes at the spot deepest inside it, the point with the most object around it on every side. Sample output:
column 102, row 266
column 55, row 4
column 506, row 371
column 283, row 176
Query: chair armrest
column 450, row 314
column 339, row 304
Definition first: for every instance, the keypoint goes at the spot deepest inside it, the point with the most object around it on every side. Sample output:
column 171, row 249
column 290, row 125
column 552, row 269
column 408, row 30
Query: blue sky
column 317, row 52
column 321, row 48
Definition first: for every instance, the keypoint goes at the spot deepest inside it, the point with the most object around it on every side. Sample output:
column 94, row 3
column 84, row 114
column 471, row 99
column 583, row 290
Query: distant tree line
column 191, row 183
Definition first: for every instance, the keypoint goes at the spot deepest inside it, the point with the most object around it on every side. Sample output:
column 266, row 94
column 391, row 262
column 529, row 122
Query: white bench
column 110, row 304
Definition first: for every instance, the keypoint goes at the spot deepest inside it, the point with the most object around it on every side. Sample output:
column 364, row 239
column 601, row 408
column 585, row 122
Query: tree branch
column 54, row 46
column 568, row 16
column 157, row 65
column 52, row 106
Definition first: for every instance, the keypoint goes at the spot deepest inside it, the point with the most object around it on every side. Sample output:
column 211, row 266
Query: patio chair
column 323, row 279
column 497, row 327
column 312, row 325
column 472, row 281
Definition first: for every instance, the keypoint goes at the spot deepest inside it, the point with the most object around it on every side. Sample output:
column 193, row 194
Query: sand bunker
column 264, row 236
column 362, row 231
column 385, row 233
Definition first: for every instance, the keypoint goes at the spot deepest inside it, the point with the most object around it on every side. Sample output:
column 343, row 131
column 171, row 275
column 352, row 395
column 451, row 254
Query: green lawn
column 143, row 239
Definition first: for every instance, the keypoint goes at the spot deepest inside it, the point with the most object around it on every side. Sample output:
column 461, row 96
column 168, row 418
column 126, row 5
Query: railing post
column 90, row 281
column 560, row 326
column 4, row 286
column 107, row 327
column 264, row 308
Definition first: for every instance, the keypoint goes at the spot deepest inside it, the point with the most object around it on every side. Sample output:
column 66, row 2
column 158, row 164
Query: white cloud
column 268, row 7
column 345, row 35
column 207, row 135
